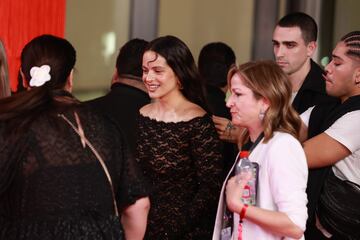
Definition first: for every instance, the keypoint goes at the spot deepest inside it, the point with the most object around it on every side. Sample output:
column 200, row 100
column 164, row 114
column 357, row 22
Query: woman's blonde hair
column 268, row 81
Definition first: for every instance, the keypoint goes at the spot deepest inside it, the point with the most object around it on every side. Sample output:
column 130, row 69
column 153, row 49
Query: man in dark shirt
column 294, row 41
column 128, row 93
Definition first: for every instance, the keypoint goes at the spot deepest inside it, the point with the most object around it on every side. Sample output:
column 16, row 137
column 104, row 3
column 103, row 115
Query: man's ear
column 356, row 76
column 265, row 104
column 311, row 48
column 23, row 80
column 115, row 76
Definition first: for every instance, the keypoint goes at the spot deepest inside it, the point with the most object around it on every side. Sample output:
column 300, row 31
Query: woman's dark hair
column 50, row 50
column 181, row 61
column 56, row 52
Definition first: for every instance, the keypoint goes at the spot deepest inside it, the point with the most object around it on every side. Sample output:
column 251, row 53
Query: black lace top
column 183, row 163
column 53, row 188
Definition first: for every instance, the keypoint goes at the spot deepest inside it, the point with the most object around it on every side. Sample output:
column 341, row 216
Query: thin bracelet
column 243, row 211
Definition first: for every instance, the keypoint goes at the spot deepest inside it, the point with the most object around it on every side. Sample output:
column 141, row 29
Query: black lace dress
column 183, row 163
column 53, row 188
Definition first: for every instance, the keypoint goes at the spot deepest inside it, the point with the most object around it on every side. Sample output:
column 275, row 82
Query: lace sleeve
column 111, row 143
column 206, row 148
column 132, row 185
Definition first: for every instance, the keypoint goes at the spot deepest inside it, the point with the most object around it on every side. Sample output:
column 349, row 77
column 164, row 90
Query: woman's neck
column 171, row 102
column 169, row 109
column 254, row 133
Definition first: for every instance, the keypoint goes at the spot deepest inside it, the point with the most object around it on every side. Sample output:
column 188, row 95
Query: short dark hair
column 307, row 25
column 214, row 62
column 129, row 60
column 178, row 56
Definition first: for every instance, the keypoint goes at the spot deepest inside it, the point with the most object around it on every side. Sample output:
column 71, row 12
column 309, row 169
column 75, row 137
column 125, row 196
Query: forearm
column 134, row 219
column 273, row 221
column 332, row 151
column 303, row 133
column 276, row 222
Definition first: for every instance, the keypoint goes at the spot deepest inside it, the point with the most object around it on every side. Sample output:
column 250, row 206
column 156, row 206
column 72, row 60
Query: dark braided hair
column 352, row 41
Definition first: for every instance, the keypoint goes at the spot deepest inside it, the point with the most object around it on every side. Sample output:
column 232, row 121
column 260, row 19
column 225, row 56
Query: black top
column 312, row 92
column 182, row 161
column 217, row 105
column 322, row 117
column 216, row 100
column 122, row 105
column 53, row 188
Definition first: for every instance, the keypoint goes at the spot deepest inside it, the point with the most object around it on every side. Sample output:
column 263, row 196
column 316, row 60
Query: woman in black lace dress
column 51, row 184
column 178, row 147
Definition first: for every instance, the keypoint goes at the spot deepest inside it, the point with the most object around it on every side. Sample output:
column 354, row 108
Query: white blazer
column 281, row 185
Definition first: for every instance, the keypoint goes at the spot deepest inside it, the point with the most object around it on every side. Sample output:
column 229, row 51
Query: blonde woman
column 260, row 103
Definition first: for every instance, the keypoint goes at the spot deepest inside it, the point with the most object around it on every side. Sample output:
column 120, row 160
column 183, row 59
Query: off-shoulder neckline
column 179, row 122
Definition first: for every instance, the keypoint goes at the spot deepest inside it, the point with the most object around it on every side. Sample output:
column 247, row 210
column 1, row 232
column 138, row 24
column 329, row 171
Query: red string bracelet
column 243, row 211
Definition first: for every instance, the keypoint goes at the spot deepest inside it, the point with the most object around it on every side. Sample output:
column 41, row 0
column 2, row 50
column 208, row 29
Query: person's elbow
column 296, row 225
column 141, row 206
column 134, row 219
column 145, row 205
column 293, row 231
column 296, row 232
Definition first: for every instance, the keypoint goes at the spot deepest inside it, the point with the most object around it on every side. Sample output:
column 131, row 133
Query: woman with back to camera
column 64, row 171
column 178, row 147
column 259, row 102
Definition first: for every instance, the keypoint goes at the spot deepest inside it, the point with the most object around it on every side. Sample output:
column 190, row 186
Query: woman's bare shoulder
column 145, row 110
column 193, row 110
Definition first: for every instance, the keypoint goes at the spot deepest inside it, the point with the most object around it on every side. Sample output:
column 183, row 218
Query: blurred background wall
column 98, row 28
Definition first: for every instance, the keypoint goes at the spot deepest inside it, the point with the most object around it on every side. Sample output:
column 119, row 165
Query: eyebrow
column 158, row 67
column 236, row 88
column 153, row 67
column 286, row 42
column 336, row 57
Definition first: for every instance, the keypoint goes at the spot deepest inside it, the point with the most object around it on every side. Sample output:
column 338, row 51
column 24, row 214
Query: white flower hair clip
column 39, row 75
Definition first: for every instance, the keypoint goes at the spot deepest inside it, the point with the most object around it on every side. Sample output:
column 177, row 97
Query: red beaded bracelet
column 243, row 211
